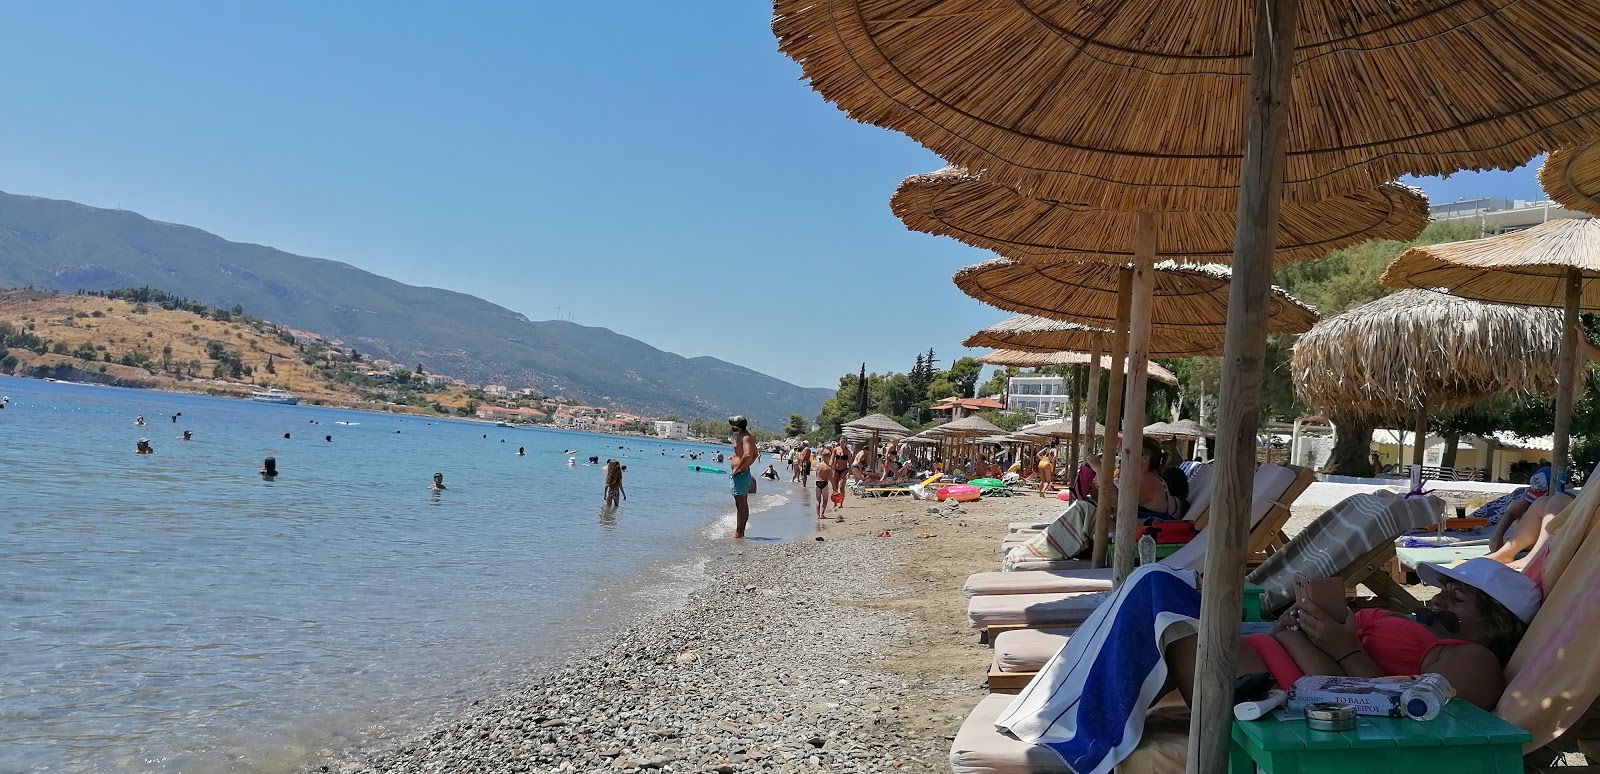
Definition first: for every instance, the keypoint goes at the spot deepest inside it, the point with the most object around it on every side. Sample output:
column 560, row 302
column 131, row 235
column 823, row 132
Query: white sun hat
column 1516, row 591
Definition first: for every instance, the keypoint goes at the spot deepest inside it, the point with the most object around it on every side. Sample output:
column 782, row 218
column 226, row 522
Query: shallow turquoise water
column 175, row 612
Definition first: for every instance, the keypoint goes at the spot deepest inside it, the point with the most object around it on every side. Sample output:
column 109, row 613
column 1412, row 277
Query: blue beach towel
column 1088, row 703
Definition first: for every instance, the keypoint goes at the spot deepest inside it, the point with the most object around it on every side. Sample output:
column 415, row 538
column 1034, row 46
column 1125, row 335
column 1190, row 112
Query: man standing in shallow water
column 744, row 455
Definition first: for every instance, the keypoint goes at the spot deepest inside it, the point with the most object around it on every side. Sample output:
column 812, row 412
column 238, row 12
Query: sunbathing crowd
column 1471, row 631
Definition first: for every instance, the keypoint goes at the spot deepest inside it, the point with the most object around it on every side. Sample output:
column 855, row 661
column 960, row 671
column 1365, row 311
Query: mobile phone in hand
column 1326, row 593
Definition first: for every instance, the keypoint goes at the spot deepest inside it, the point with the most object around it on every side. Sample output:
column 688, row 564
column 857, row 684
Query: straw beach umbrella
column 986, row 214
column 1095, row 107
column 1571, row 176
column 1183, row 428
column 1043, row 359
column 1031, row 333
column 1136, row 105
column 874, row 426
column 1187, row 300
column 1417, row 351
column 1190, row 301
column 993, row 216
column 1552, row 264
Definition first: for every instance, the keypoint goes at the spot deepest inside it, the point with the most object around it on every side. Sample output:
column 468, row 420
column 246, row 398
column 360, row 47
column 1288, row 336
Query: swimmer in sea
column 438, row 482
column 572, row 462
column 269, row 468
column 328, row 438
column 143, row 447
column 613, row 483
column 138, row 421
column 770, row 474
column 285, row 435
column 521, row 452
column 188, row 435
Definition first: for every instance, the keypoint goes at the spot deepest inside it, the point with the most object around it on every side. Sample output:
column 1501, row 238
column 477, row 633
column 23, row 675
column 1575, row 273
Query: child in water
column 613, row 487
column 269, row 468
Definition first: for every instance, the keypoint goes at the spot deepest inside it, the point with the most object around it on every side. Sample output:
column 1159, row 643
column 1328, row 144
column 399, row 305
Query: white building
column 674, row 430
column 1501, row 216
column 1038, row 394
column 495, row 389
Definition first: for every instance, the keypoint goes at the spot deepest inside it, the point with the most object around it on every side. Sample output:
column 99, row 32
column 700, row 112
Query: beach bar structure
column 1230, row 108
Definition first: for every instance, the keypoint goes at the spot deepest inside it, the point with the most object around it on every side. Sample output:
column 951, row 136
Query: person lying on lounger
column 1466, row 633
column 1524, row 525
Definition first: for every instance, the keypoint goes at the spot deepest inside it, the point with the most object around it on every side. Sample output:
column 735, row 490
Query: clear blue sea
column 174, row 612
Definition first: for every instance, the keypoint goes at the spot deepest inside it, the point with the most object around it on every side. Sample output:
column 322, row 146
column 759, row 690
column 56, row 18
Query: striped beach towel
column 1336, row 539
column 1088, row 703
column 1064, row 538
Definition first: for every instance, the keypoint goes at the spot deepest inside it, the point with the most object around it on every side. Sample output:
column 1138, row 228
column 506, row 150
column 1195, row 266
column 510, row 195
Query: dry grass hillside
column 144, row 345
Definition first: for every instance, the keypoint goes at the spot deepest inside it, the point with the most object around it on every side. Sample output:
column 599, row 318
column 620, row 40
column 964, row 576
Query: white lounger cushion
column 1027, row 650
column 1056, row 582
column 1032, row 609
column 1027, row 526
column 981, row 749
column 1070, row 608
column 1058, row 564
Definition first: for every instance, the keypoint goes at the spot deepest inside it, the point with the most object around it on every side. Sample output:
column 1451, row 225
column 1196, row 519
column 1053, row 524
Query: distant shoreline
column 244, row 390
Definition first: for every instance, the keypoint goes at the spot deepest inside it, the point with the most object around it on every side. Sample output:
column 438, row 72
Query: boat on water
column 504, row 424
column 274, row 395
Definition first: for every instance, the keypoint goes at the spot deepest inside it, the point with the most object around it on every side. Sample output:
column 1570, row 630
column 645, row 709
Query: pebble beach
column 843, row 654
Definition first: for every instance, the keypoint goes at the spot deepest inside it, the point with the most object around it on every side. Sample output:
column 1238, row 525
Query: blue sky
column 654, row 168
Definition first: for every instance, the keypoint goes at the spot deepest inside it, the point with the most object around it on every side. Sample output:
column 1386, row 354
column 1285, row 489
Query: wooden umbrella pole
column 1419, row 435
column 1135, row 389
column 1567, row 380
column 1243, row 358
column 1077, row 417
column 1092, row 400
column 1104, row 502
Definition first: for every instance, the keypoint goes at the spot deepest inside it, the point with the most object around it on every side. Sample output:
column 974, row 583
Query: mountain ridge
column 68, row 246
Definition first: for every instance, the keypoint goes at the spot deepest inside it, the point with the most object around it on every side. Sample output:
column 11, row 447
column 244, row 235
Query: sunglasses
column 1446, row 619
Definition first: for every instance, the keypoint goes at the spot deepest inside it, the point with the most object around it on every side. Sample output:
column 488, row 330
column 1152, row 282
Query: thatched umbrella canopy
column 1571, row 176
column 878, row 424
column 1056, row 428
column 965, row 427
column 1552, row 264
column 993, row 216
column 1031, row 333
column 1418, row 350
column 1183, row 428
column 1042, row 359
column 1188, row 300
column 1095, row 107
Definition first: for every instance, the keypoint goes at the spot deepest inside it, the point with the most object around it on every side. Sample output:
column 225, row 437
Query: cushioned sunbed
column 1031, row 609
column 1026, row 650
column 980, row 749
column 1026, row 526
column 1411, row 557
column 1272, row 483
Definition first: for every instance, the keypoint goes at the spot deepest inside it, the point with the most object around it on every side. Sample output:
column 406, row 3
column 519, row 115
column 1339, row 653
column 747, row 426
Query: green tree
column 941, row 388
column 894, row 394
column 795, row 427
column 964, row 375
column 997, row 381
column 271, row 369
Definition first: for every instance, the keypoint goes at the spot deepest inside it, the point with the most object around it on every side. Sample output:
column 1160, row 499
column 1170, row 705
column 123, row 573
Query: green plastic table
column 1462, row 740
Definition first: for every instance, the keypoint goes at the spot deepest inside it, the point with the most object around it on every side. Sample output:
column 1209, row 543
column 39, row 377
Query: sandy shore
column 848, row 653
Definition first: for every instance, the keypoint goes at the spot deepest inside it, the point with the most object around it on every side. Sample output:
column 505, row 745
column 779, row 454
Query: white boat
column 274, row 395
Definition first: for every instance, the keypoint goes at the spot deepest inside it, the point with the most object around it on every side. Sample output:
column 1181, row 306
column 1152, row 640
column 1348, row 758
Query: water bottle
column 1147, row 549
column 1426, row 697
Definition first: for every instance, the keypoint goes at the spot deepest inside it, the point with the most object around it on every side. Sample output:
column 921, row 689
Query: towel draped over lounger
column 1088, row 704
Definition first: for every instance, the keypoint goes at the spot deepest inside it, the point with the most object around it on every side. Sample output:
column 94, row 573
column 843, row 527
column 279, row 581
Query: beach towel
column 1064, row 538
column 1554, row 676
column 1333, row 541
column 1088, row 704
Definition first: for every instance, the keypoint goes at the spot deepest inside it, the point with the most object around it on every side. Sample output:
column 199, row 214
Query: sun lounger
column 1025, row 526
column 1276, row 487
column 1552, row 687
column 1353, row 540
column 980, row 749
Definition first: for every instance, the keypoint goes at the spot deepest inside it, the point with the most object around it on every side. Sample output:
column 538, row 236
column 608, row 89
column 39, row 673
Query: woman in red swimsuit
column 1466, row 633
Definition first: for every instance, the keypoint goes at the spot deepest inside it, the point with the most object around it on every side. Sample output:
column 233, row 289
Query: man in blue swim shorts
column 744, row 455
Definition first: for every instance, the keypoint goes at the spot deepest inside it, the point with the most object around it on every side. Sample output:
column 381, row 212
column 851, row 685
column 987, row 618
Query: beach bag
column 838, row 498
column 1169, row 531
